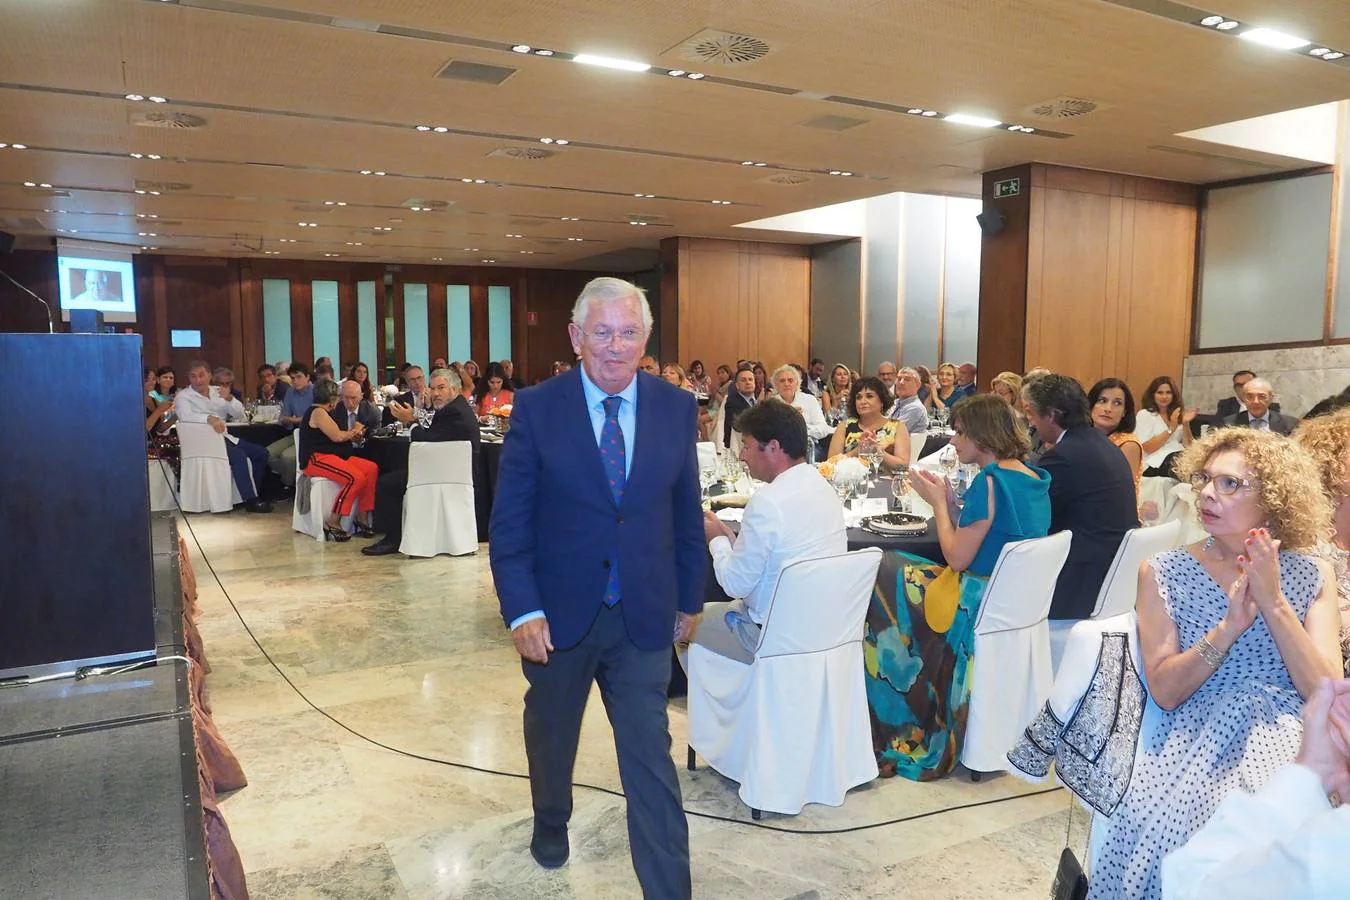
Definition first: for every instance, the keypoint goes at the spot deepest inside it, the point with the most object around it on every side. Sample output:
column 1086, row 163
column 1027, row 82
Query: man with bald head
column 355, row 408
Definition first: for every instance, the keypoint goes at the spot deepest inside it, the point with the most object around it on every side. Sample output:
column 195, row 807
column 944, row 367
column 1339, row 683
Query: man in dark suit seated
column 454, row 421
column 355, row 408
column 1091, row 490
column 271, row 389
column 417, row 396
column 1228, row 406
column 737, row 402
column 1261, row 413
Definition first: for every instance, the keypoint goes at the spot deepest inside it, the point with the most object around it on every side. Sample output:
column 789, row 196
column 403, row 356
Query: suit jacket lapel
column 646, row 434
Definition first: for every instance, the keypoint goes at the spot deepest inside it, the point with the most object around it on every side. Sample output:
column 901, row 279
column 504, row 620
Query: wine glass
column 900, row 489
column 730, row 473
column 707, row 477
column 942, row 413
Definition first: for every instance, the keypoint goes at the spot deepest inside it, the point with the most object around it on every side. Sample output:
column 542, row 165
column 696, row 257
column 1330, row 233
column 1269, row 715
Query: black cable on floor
column 581, row 784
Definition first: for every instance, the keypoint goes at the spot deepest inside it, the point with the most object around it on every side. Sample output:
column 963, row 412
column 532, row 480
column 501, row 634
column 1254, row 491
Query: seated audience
column 361, row 375
column 283, row 369
column 925, row 391
column 1328, row 405
column 223, row 377
column 867, row 422
column 454, row 421
column 1163, row 427
column 324, row 372
column 786, row 382
column 1327, row 438
column 203, row 404
column 814, row 383
column 1113, row 415
column 560, row 366
column 673, row 373
column 1231, row 406
column 355, row 408
column 887, row 373
column 741, row 398
column 965, row 379
column 837, row 391
column 158, row 411
column 649, row 365
column 1235, row 631
column 493, row 391
column 1257, row 395
column 281, row 452
column 509, row 372
column 468, row 385
column 400, row 381
column 162, row 442
column 923, row 639
column 1007, row 386
column 326, row 452
column 909, row 409
column 1091, row 490
column 761, row 380
column 699, row 380
column 165, row 387
column 1287, row 839
column 796, row 515
column 271, row 390
column 946, row 393
column 472, row 370
column 415, row 393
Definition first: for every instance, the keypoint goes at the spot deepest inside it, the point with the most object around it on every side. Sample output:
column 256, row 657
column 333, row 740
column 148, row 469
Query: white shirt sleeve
column 1283, row 841
column 1148, row 425
column 816, row 428
column 741, row 566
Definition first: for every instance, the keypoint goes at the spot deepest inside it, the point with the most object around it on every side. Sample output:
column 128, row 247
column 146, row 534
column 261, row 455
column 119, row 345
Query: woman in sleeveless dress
column 1235, row 632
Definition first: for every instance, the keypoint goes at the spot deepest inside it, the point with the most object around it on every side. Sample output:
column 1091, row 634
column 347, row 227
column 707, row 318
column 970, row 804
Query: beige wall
column 738, row 299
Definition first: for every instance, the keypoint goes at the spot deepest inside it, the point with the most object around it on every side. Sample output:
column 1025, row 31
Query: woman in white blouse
column 1163, row 426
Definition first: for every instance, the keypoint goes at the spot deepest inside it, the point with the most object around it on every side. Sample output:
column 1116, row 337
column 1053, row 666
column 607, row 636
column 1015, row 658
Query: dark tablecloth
column 392, row 453
column 259, row 434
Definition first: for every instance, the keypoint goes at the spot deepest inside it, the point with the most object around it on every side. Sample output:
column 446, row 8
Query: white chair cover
column 1157, row 489
column 322, row 495
column 163, row 489
column 707, row 454
column 1182, row 509
column 438, row 513
column 792, row 727
column 206, row 484
column 1012, row 672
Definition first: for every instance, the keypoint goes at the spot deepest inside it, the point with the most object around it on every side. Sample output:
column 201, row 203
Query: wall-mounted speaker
column 6, row 242
column 991, row 222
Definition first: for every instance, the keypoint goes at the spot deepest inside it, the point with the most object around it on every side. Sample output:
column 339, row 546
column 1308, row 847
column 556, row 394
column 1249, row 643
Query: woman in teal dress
column 920, row 638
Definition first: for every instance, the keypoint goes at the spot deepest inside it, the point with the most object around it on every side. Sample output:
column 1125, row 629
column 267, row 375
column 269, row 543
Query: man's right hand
column 401, row 411
column 532, row 640
column 217, row 423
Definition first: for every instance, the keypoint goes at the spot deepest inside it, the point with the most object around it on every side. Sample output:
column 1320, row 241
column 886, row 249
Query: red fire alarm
column 532, row 318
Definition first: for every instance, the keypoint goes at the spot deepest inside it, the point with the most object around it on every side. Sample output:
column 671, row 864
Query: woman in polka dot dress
column 1235, row 632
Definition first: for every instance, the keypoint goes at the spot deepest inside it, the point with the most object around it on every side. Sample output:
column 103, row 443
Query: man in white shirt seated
column 908, row 408
column 786, row 381
column 1289, row 839
column 795, row 516
column 206, row 405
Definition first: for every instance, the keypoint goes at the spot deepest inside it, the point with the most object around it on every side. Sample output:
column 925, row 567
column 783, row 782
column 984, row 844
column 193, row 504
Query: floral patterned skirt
column 918, row 648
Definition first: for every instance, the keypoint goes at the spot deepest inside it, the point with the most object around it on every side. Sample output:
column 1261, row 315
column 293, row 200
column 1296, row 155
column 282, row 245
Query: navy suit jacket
column 556, row 528
column 1279, row 422
column 1092, row 495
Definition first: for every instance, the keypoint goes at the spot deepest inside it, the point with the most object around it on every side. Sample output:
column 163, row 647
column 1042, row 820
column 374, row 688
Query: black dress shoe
column 258, row 506
column 549, row 846
column 382, row 547
column 364, row 531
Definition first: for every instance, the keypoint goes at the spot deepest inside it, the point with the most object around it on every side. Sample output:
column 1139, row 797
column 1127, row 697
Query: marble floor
column 412, row 654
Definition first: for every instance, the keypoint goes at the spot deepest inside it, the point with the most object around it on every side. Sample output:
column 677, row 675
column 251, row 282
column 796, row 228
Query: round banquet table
column 391, row 453
column 256, row 433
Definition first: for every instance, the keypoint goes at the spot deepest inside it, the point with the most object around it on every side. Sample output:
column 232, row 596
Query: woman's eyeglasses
column 1224, row 485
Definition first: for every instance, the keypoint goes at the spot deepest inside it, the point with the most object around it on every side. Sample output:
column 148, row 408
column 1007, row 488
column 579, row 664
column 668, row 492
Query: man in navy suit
column 597, row 553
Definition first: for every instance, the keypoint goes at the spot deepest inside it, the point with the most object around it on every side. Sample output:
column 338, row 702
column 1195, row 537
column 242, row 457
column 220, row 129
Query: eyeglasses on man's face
column 604, row 336
column 1224, row 485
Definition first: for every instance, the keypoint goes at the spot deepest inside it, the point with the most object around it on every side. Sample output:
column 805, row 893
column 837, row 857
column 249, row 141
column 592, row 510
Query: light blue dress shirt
column 296, row 402
column 595, row 405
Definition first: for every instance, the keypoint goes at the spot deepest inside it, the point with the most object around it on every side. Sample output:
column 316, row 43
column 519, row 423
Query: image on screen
column 106, row 285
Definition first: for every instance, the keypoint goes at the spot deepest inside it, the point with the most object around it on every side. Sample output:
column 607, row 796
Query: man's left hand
column 684, row 627
column 401, row 411
column 715, row 527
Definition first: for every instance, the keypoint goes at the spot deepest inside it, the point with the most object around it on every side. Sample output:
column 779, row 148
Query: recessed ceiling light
column 578, row 240
column 136, row 155
column 1334, row 54
column 915, row 110
column 146, row 234
column 610, row 62
column 1228, row 25
column 488, row 260
column 543, row 53
column 157, row 99
column 440, row 129
column 330, row 254
column 43, row 184
column 636, row 222
column 355, row 244
column 676, row 73
column 748, row 162
column 570, row 219
column 367, row 172
column 527, row 251
column 19, row 146
column 721, row 203
column 471, row 250
column 139, row 191
column 437, row 258
column 647, row 196
column 521, row 48
column 1211, row 21
column 513, row 235
column 423, row 127
column 271, row 252
column 135, row 96
column 1268, row 37
column 1319, row 51
column 695, row 76
column 975, row 121
column 153, row 156
column 30, row 184
column 286, row 240
column 929, row 113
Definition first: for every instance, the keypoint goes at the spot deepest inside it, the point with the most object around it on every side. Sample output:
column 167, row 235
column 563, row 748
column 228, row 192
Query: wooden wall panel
column 781, row 304
column 1162, row 276
column 1005, row 260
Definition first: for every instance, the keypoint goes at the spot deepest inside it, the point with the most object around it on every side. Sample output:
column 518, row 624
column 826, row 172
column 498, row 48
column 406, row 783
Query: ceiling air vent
column 722, row 48
column 167, row 119
column 521, row 154
column 787, row 179
column 163, row 187
column 478, row 73
column 834, row 123
column 425, row 205
column 1064, row 108
column 46, row 192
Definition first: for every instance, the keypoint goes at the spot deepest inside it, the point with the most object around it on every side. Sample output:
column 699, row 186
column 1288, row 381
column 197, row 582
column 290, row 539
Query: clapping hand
column 1326, row 737
column 1242, row 609
column 1261, row 565
column 935, row 490
column 1189, row 415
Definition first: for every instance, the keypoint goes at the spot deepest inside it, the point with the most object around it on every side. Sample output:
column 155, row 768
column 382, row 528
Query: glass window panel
column 367, row 318
column 457, row 321
column 276, row 294
column 415, row 341
column 324, row 299
column 499, row 323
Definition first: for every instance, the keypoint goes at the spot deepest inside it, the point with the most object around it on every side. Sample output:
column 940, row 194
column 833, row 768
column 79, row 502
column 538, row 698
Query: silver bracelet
column 1212, row 656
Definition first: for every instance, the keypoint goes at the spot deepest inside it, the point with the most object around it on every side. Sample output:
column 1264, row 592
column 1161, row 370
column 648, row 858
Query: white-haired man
column 597, row 556
column 908, row 408
column 1257, row 395
column 787, row 382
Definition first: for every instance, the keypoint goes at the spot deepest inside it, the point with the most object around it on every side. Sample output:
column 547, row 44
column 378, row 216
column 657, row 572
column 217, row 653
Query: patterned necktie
column 613, row 455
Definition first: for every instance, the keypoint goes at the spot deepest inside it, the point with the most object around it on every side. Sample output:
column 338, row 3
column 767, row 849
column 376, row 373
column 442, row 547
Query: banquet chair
column 707, row 454
column 206, row 484
column 322, row 495
column 792, row 727
column 163, row 488
column 1012, row 673
column 438, row 510
column 1118, row 590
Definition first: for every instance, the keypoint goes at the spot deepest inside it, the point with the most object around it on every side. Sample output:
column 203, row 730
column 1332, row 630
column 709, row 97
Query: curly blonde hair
column 1327, row 438
column 1298, row 517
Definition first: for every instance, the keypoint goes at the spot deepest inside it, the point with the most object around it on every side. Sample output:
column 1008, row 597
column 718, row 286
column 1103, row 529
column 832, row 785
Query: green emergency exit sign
column 1008, row 187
